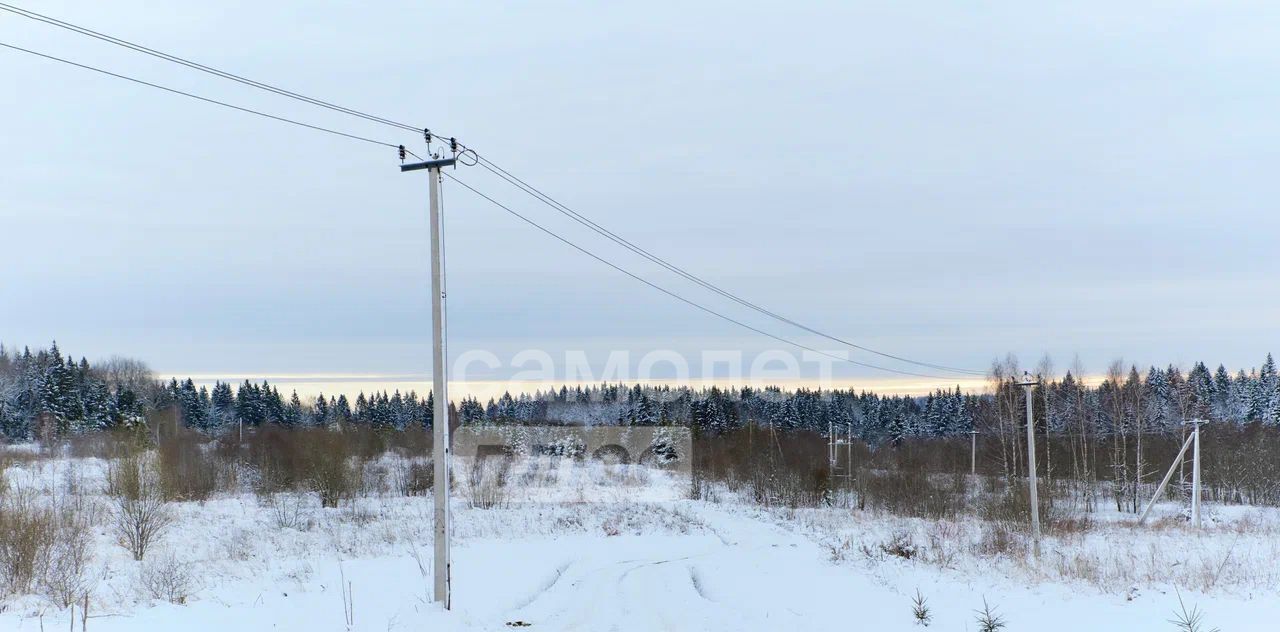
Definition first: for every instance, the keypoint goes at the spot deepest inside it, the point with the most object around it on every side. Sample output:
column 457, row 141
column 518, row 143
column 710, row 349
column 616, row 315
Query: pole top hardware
column 430, row 164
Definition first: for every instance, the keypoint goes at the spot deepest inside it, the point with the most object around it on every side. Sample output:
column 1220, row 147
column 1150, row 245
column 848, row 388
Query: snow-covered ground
column 664, row 564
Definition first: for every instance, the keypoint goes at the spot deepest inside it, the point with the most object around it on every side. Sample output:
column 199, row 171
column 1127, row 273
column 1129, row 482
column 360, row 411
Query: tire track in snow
column 547, row 585
column 695, row 579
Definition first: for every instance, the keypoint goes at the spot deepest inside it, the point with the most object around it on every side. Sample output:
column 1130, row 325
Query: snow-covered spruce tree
column 319, row 412
column 1266, row 403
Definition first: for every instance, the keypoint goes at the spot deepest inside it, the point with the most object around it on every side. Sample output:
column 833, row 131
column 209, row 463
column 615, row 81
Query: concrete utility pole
column 973, row 452
column 1177, row 463
column 441, row 451
column 1192, row 442
column 848, row 451
column 1028, row 382
column 1195, row 472
column 831, row 446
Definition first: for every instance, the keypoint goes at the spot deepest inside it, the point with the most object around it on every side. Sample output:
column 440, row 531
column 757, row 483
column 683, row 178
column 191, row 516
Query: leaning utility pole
column 441, row 451
column 1028, row 382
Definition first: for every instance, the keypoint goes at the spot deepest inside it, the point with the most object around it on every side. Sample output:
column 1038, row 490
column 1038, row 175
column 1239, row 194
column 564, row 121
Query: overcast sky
column 940, row 181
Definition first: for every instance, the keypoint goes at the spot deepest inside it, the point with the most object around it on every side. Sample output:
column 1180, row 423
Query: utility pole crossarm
column 429, row 164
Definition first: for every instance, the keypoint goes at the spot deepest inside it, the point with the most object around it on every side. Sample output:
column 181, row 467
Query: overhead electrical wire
column 198, row 66
column 198, row 97
column 674, row 295
column 483, row 161
column 585, row 221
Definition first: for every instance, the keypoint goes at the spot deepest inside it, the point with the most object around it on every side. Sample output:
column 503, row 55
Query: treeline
column 45, row 392
column 1128, row 427
column 874, row 418
column 257, row 404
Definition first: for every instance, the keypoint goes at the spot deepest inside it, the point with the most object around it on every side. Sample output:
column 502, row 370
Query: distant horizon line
column 333, row 384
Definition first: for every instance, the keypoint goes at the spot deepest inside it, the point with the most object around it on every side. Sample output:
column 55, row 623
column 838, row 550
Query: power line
column 198, row 66
column 677, row 296
column 198, row 97
column 578, row 217
column 481, row 160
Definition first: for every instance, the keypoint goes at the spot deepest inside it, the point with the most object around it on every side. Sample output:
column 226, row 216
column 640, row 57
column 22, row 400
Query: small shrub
column 487, row 486
column 233, row 545
column 1068, row 525
column 944, row 543
column 357, row 514
column 26, row 538
column 998, row 539
column 330, row 462
column 75, row 498
column 124, row 477
column 66, row 578
column 115, row 443
column 375, row 480
column 166, row 579
column 908, row 493
column 290, row 510
column 1012, row 508
column 413, row 478
column 187, row 470
column 900, row 545
column 139, row 509
column 330, row 470
column 839, row 551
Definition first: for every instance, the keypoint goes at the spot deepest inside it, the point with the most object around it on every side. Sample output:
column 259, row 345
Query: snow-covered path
column 735, row 569
column 724, row 581
column 746, row 573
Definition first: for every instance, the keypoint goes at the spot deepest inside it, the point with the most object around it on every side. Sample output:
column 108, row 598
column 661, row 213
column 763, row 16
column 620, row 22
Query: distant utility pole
column 1195, row 472
column 1192, row 442
column 1028, row 382
column 441, row 451
column 831, row 446
column 848, row 451
column 973, row 451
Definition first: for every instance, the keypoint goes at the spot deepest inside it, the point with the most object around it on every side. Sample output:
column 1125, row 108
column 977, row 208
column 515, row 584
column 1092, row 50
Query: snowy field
column 662, row 562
